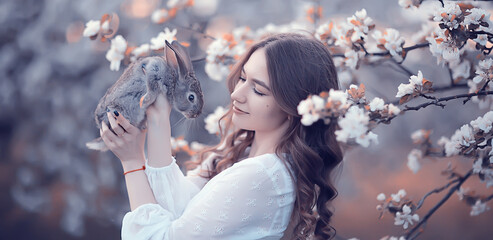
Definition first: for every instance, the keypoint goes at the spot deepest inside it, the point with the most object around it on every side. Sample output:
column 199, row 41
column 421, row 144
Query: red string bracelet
column 135, row 170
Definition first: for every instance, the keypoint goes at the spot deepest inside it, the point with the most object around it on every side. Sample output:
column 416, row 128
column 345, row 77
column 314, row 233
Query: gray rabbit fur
column 141, row 83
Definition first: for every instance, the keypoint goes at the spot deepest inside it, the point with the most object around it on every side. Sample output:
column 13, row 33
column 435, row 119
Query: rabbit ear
column 170, row 57
column 182, row 58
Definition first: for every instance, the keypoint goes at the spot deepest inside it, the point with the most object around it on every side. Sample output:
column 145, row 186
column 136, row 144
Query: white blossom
column 352, row 58
column 116, row 53
column 365, row 139
column 324, row 32
column 404, row 89
column 310, row 109
column 442, row 141
column 476, row 167
column 418, row 136
column 413, row 160
column 414, row 82
column 338, row 97
column 482, row 39
column 340, row 33
column 92, row 28
column 381, row 197
column 215, row 68
column 461, row 192
column 243, row 33
column 376, row 104
column 483, row 123
column 142, row 50
column 487, row 173
column 216, row 71
column 466, row 135
column 393, row 238
column 398, row 196
column 196, row 146
column 448, row 15
column 491, row 152
column 479, row 208
column 484, row 71
column 178, row 143
column 417, row 80
column 394, row 110
column 485, row 102
column 462, row 137
column 476, row 16
column 159, row 42
column 462, row 70
column 353, row 125
column 452, row 148
column 176, row 3
column 218, row 47
column 159, row 15
column 404, row 218
column 391, row 40
column 211, row 121
column 360, row 22
column 488, row 177
column 405, row 3
column 443, row 47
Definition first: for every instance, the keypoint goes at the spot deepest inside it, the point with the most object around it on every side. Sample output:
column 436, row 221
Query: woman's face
column 254, row 106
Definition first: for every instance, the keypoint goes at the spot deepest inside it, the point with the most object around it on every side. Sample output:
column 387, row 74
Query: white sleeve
column 246, row 201
column 171, row 188
column 198, row 176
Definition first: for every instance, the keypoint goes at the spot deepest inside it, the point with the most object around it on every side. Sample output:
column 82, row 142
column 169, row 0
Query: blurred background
column 51, row 79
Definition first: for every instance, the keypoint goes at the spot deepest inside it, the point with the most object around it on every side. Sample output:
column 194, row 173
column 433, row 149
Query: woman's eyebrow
column 258, row 81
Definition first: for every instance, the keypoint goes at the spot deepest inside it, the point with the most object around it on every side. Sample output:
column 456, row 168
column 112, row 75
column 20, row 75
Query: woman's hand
column 125, row 141
column 158, row 111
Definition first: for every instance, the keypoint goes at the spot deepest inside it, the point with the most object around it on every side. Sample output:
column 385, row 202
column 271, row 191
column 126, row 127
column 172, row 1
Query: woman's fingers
column 114, row 125
column 125, row 124
column 108, row 136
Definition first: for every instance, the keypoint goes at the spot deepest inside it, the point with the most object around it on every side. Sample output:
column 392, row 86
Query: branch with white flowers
column 437, row 101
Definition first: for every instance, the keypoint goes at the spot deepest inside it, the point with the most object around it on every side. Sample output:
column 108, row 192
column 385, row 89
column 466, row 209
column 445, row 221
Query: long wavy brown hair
column 298, row 65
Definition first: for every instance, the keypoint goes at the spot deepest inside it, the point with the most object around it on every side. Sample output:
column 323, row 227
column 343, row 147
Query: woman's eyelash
column 254, row 90
column 257, row 92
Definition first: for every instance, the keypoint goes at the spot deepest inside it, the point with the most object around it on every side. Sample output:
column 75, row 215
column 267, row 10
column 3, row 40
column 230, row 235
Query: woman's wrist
column 156, row 119
column 130, row 165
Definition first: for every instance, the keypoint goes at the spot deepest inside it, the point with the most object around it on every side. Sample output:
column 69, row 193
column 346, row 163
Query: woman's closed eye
column 254, row 89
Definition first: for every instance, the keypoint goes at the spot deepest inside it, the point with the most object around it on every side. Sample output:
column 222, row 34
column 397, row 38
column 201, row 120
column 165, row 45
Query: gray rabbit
column 141, row 83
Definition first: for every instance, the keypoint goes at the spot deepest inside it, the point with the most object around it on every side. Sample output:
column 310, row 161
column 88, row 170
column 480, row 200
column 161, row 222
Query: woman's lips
column 237, row 110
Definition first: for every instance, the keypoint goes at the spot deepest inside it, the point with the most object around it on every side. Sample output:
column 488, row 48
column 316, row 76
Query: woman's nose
column 238, row 94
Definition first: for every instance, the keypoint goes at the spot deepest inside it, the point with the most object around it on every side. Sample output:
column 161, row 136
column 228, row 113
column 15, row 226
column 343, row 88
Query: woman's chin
column 239, row 123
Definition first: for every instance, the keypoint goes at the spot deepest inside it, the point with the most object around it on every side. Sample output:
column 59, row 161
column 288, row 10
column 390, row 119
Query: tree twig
column 387, row 53
column 450, row 74
column 488, row 198
column 445, row 99
column 407, row 71
column 436, row 190
column 409, row 235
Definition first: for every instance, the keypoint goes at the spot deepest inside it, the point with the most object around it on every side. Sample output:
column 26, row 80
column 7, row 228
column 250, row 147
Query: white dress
column 253, row 199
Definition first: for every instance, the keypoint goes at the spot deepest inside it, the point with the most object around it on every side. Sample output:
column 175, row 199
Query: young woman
column 268, row 171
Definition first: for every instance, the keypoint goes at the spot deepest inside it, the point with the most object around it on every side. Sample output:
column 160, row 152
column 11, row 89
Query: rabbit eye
column 144, row 67
column 191, row 97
